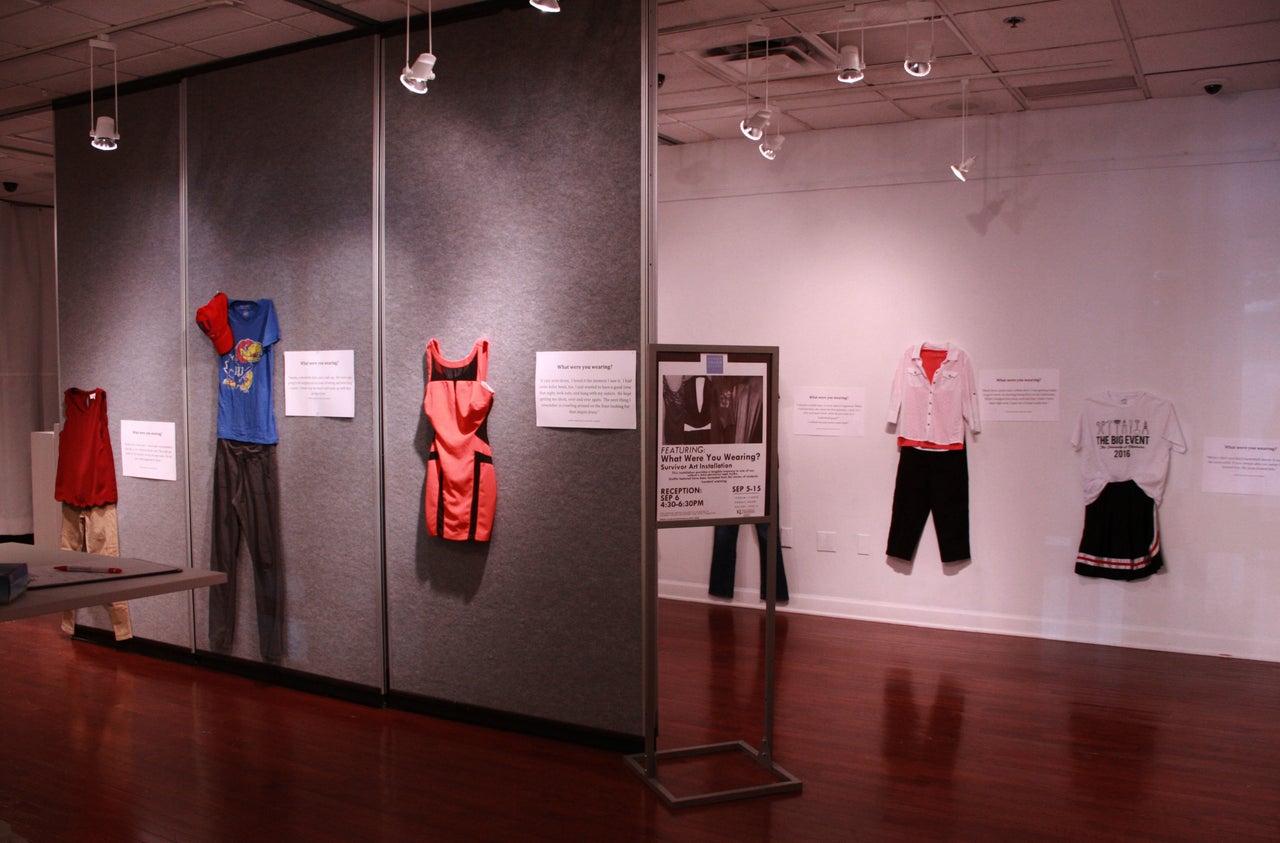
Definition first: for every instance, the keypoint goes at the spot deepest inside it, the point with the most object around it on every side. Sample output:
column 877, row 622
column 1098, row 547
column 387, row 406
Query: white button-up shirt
column 935, row 412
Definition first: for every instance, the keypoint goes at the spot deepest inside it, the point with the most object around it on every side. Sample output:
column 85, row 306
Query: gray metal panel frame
column 646, row 765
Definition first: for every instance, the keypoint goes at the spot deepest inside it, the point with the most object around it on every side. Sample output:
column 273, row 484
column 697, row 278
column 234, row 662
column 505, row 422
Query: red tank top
column 460, row 492
column 86, row 468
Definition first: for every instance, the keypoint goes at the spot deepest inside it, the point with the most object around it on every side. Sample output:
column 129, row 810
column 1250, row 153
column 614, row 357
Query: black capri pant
column 930, row 482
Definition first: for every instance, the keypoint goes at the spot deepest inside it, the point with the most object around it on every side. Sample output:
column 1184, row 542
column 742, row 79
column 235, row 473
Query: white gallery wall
column 1126, row 246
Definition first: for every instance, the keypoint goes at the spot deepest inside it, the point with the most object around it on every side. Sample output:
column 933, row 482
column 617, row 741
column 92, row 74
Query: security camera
column 1212, row 86
column 10, row 186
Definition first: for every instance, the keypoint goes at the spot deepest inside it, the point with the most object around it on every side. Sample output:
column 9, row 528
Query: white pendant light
column 104, row 133
column 545, row 5
column 851, row 65
column 961, row 170
column 415, row 76
column 919, row 60
column 757, row 124
column 771, row 146
column 754, row 125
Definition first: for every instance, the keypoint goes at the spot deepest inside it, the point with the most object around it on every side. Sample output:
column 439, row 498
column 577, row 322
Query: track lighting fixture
column 919, row 60
column 753, row 126
column 851, row 65
column 961, row 170
column 415, row 76
column 770, row 146
column 757, row 124
column 104, row 133
column 545, row 5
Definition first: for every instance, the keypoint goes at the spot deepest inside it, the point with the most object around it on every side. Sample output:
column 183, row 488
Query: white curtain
column 28, row 352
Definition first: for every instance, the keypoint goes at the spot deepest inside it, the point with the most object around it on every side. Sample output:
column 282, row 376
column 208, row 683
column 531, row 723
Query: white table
column 140, row 578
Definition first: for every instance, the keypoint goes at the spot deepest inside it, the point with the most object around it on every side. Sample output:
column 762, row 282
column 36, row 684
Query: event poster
column 712, row 451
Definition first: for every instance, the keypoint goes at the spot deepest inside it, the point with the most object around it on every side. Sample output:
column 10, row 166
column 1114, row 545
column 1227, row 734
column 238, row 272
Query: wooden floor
column 897, row 733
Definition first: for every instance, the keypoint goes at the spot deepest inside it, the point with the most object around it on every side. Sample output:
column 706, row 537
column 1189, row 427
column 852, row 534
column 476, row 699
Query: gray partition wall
column 504, row 204
column 119, row 317
column 513, row 213
column 280, row 183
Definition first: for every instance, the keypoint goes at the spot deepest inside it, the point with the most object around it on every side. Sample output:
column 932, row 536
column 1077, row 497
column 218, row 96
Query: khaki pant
column 93, row 529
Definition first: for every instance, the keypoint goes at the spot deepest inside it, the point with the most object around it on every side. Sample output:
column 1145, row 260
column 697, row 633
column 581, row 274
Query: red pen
column 87, row 569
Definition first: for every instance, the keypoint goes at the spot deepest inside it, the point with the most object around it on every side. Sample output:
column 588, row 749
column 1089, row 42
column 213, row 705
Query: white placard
column 1241, row 466
column 148, row 449
column 1029, row 395
column 829, row 411
column 595, row 389
column 320, row 383
column 712, row 457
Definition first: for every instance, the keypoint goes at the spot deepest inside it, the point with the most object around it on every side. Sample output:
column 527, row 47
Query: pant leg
column 225, row 545
column 910, row 504
column 260, row 511
column 102, row 536
column 724, row 560
column 71, row 537
column 949, row 499
column 781, row 594
column 94, row 529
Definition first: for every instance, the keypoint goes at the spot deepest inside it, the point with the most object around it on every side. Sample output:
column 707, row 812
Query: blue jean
column 724, row 561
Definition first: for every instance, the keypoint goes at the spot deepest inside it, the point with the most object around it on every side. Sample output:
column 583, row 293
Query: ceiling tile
column 44, row 25
column 1046, row 25
column 1246, row 77
column 1210, row 47
column 197, row 26
column 251, row 40
column 1160, row 17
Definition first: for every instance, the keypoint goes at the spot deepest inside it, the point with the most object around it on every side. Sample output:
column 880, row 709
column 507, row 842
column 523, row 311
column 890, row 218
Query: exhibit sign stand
column 711, row 455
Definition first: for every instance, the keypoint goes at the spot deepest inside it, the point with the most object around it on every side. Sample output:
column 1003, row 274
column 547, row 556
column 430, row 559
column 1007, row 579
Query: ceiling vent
column 1037, row 93
column 794, row 55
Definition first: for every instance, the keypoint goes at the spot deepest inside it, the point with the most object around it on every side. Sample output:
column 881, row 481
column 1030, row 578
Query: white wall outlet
column 784, row 533
column 864, row 544
column 826, row 541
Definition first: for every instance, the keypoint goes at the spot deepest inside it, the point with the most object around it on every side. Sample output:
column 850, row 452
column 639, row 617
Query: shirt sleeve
column 895, row 395
column 969, row 404
column 1173, row 432
column 270, row 331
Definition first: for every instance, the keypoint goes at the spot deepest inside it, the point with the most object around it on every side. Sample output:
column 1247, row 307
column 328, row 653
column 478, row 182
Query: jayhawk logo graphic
column 237, row 367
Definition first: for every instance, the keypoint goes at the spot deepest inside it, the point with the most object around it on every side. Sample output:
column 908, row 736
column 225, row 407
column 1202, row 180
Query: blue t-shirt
column 245, row 409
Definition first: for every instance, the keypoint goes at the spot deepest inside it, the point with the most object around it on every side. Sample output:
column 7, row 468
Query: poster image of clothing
column 1125, row 440
column 712, row 409
column 711, row 454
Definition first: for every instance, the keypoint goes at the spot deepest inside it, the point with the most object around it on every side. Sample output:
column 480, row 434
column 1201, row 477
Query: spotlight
column 104, row 135
column 545, row 5
column 851, row 66
column 918, row 68
column 416, row 77
column 754, row 126
column 919, row 60
column 770, row 147
column 961, row 170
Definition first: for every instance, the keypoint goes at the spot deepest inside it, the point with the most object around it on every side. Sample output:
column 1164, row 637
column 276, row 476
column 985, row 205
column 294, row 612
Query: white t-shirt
column 1126, row 436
